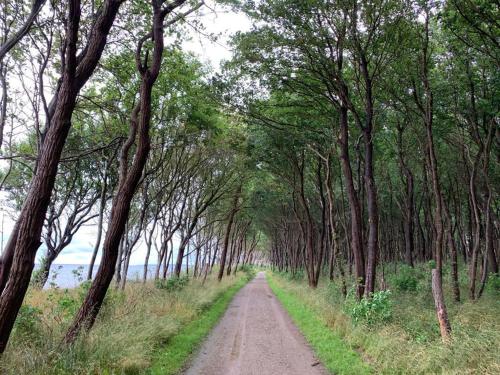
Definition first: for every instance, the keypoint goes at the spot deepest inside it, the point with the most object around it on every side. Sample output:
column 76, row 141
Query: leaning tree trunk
column 42, row 275
column 102, row 207
column 232, row 213
column 76, row 73
column 437, row 292
column 128, row 179
column 427, row 113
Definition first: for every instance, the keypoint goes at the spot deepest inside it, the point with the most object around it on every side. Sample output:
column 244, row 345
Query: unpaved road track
column 255, row 337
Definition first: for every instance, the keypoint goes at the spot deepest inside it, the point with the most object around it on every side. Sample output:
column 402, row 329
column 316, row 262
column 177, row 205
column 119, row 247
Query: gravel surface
column 255, row 337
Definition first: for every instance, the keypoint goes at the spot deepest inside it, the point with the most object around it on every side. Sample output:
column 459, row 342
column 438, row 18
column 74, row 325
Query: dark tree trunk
column 77, row 71
column 129, row 179
column 352, row 196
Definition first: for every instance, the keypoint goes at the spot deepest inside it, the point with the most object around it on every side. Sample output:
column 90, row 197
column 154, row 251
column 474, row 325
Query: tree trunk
column 75, row 75
column 232, row 213
column 128, row 179
column 102, row 208
column 442, row 315
column 356, row 226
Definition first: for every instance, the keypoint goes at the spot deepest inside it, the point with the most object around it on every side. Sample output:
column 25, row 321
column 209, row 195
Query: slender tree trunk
column 75, row 75
column 102, row 208
column 356, row 226
column 437, row 292
column 232, row 213
column 129, row 179
column 427, row 112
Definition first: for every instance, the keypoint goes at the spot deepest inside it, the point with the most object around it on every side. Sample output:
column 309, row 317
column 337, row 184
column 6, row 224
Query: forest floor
column 255, row 337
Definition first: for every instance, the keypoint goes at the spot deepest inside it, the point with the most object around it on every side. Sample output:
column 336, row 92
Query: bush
column 173, row 284
column 249, row 270
column 296, row 276
column 292, row 276
column 28, row 324
column 406, row 279
column 374, row 310
column 493, row 283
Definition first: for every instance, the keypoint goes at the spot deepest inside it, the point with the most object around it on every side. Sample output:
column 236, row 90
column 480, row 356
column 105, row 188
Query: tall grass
column 133, row 327
column 409, row 343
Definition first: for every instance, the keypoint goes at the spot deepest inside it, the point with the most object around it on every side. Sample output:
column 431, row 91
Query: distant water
column 71, row 275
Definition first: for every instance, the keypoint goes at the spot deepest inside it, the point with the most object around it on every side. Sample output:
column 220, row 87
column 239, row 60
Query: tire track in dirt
column 255, row 337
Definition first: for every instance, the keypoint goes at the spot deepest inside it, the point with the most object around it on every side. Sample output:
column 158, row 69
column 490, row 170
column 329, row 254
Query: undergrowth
column 400, row 334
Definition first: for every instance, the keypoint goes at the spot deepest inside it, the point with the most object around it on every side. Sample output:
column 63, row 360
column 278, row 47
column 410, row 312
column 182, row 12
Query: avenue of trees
column 376, row 124
column 342, row 136
column 104, row 123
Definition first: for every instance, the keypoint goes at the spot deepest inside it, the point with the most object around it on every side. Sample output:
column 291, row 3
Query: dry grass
column 130, row 329
column 410, row 342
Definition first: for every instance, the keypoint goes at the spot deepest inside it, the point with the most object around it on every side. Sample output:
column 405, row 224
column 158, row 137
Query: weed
column 374, row 310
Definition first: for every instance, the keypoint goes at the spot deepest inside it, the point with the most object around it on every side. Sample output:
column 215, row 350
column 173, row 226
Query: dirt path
column 255, row 337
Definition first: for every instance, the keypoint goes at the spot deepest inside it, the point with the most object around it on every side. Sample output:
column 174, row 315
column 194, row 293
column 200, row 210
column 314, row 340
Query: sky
column 216, row 20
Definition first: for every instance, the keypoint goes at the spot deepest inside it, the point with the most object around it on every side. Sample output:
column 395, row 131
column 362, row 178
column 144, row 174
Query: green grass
column 179, row 348
column 147, row 328
column 409, row 342
column 329, row 347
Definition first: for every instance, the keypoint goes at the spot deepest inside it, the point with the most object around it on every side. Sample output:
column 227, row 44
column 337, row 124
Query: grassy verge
column 147, row 328
column 179, row 348
column 333, row 352
column 408, row 342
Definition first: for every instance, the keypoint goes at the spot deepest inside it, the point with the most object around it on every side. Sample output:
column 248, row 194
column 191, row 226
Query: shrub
column 173, row 284
column 28, row 324
column 493, row 283
column 374, row 310
column 250, row 271
column 406, row 279
column 296, row 276
column 63, row 304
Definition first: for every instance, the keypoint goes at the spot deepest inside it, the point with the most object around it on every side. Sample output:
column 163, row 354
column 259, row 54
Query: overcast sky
column 217, row 20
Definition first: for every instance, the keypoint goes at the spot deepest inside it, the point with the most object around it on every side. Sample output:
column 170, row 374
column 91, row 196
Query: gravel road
column 255, row 337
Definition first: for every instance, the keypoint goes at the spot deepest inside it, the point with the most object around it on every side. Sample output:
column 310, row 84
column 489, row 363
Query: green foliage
column 406, row 279
column 293, row 276
column 371, row 311
column 28, row 324
column 249, row 270
column 63, row 304
column 173, row 284
column 431, row 264
column 493, row 283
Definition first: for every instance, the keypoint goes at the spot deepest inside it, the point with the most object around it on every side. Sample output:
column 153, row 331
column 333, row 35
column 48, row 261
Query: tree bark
column 356, row 226
column 442, row 315
column 232, row 213
column 77, row 71
column 128, row 180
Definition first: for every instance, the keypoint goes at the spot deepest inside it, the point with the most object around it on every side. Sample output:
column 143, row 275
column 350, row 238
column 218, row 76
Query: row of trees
column 133, row 142
column 342, row 136
column 378, row 133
